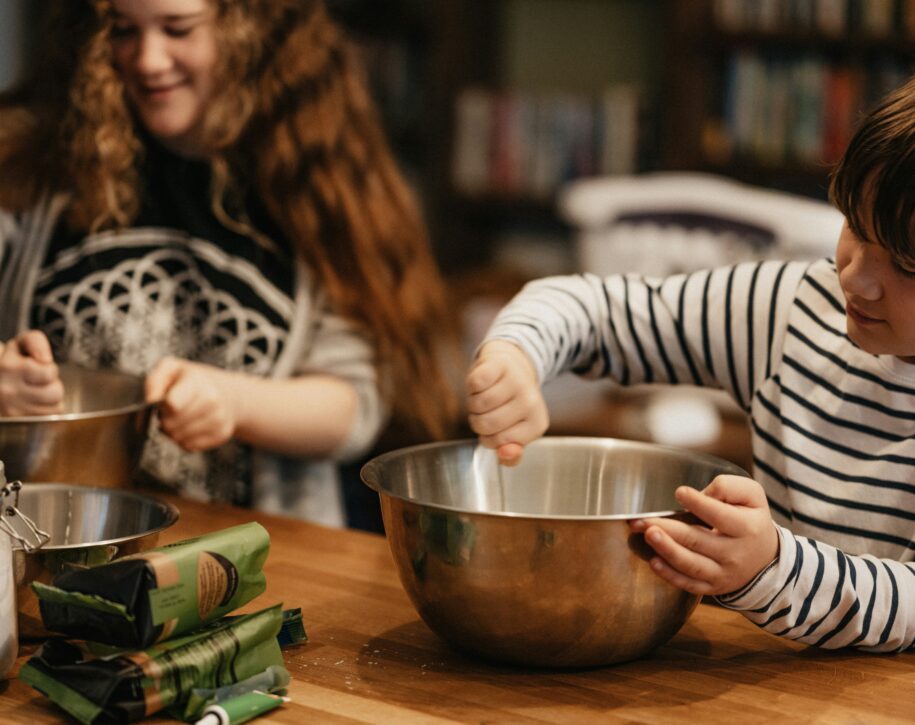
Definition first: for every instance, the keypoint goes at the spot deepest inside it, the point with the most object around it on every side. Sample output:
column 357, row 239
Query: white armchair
column 661, row 224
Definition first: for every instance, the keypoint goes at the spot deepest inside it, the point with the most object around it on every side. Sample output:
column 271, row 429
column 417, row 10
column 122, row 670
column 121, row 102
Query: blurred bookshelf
column 417, row 56
column 569, row 93
column 525, row 145
column 770, row 91
column 492, row 105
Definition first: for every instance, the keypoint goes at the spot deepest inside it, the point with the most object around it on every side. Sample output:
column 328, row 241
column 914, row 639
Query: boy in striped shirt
column 818, row 545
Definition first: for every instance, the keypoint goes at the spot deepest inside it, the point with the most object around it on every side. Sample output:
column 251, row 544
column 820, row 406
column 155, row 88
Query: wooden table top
column 370, row 659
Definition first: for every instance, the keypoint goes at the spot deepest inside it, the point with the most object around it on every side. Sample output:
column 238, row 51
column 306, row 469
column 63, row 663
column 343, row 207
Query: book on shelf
column 805, row 129
column 619, row 146
column 878, row 18
column 473, row 124
column 830, row 16
column 907, row 18
column 842, row 98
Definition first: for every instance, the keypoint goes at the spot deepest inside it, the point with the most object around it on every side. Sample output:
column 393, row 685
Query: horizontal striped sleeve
column 831, row 599
column 555, row 321
column 715, row 328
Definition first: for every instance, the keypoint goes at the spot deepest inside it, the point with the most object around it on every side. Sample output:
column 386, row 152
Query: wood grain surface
column 370, row 659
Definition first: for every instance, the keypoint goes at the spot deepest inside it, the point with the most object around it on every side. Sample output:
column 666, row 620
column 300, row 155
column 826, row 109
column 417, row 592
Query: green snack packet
column 292, row 632
column 130, row 686
column 144, row 598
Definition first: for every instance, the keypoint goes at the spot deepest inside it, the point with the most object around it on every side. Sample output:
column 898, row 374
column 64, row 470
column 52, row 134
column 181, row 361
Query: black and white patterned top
column 178, row 282
column 833, row 427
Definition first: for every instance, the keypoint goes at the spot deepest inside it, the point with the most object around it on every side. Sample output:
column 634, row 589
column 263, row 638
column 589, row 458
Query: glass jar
column 9, row 635
column 16, row 529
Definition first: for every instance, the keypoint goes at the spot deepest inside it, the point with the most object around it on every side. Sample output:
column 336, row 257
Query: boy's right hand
column 29, row 379
column 505, row 405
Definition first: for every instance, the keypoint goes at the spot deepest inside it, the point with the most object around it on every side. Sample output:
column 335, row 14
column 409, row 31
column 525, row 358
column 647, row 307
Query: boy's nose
column 861, row 277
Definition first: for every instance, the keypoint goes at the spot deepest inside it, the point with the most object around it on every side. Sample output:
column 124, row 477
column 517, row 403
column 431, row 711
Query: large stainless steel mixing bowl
column 88, row 526
column 96, row 441
column 540, row 568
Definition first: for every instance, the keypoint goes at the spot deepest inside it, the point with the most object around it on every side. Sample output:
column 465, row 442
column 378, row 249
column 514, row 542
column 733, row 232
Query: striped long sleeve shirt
column 833, row 427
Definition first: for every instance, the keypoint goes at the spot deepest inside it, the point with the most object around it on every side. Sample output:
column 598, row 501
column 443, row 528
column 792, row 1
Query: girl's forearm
column 309, row 415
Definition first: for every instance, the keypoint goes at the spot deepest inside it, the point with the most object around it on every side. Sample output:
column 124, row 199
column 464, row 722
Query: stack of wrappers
column 152, row 632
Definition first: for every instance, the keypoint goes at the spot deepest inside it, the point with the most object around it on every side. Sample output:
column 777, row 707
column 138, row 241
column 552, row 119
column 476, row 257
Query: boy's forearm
column 810, row 594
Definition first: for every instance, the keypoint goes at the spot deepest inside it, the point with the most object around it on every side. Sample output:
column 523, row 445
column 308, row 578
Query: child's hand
column 741, row 542
column 198, row 408
column 29, row 379
column 506, row 406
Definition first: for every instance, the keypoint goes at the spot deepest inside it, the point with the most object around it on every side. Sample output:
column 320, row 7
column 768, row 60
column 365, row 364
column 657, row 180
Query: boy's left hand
column 198, row 407
column 741, row 541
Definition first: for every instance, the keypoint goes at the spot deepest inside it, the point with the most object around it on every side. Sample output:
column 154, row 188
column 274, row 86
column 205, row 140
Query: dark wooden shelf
column 807, row 41
column 403, row 21
column 493, row 203
column 749, row 165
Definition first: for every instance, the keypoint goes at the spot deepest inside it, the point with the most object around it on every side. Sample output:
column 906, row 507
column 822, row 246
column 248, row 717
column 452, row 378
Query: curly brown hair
column 292, row 115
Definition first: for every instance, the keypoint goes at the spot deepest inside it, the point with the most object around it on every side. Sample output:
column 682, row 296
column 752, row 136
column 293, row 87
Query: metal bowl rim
column 596, row 518
column 732, row 469
column 172, row 514
column 88, row 415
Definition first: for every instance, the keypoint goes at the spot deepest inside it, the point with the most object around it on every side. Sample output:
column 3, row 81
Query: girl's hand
column 29, row 379
column 505, row 405
column 740, row 543
column 198, row 407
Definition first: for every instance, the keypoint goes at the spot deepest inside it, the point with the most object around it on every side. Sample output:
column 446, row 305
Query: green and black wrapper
column 144, row 598
column 129, row 686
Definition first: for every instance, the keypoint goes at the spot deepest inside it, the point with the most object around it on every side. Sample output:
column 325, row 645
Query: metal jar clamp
column 21, row 530
column 19, row 527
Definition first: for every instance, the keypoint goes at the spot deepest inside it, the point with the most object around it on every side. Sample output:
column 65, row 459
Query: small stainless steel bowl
column 96, row 441
column 88, row 526
column 541, row 567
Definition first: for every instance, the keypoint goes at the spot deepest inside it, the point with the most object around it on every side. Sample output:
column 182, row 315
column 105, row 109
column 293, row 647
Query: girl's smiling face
column 879, row 296
column 166, row 54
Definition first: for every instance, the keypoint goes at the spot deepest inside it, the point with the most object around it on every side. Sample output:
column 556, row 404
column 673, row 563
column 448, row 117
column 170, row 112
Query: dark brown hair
column 292, row 116
column 873, row 184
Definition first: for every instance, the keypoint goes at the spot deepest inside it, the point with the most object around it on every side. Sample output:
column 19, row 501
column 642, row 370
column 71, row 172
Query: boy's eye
column 904, row 268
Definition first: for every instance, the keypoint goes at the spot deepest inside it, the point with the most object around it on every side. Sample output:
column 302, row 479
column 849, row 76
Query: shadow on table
column 451, row 679
column 689, row 674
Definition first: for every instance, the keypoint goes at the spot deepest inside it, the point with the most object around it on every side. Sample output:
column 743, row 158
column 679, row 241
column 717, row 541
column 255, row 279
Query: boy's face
column 879, row 297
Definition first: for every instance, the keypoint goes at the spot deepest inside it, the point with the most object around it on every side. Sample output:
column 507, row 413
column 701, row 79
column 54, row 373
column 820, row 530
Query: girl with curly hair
column 199, row 191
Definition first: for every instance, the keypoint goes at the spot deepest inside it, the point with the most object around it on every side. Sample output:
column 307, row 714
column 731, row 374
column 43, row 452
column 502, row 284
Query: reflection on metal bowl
column 96, row 441
column 88, row 526
column 536, row 565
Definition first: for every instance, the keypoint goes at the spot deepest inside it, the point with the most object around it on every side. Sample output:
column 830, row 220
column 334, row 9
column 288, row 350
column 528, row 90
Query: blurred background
column 494, row 105
column 522, row 124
